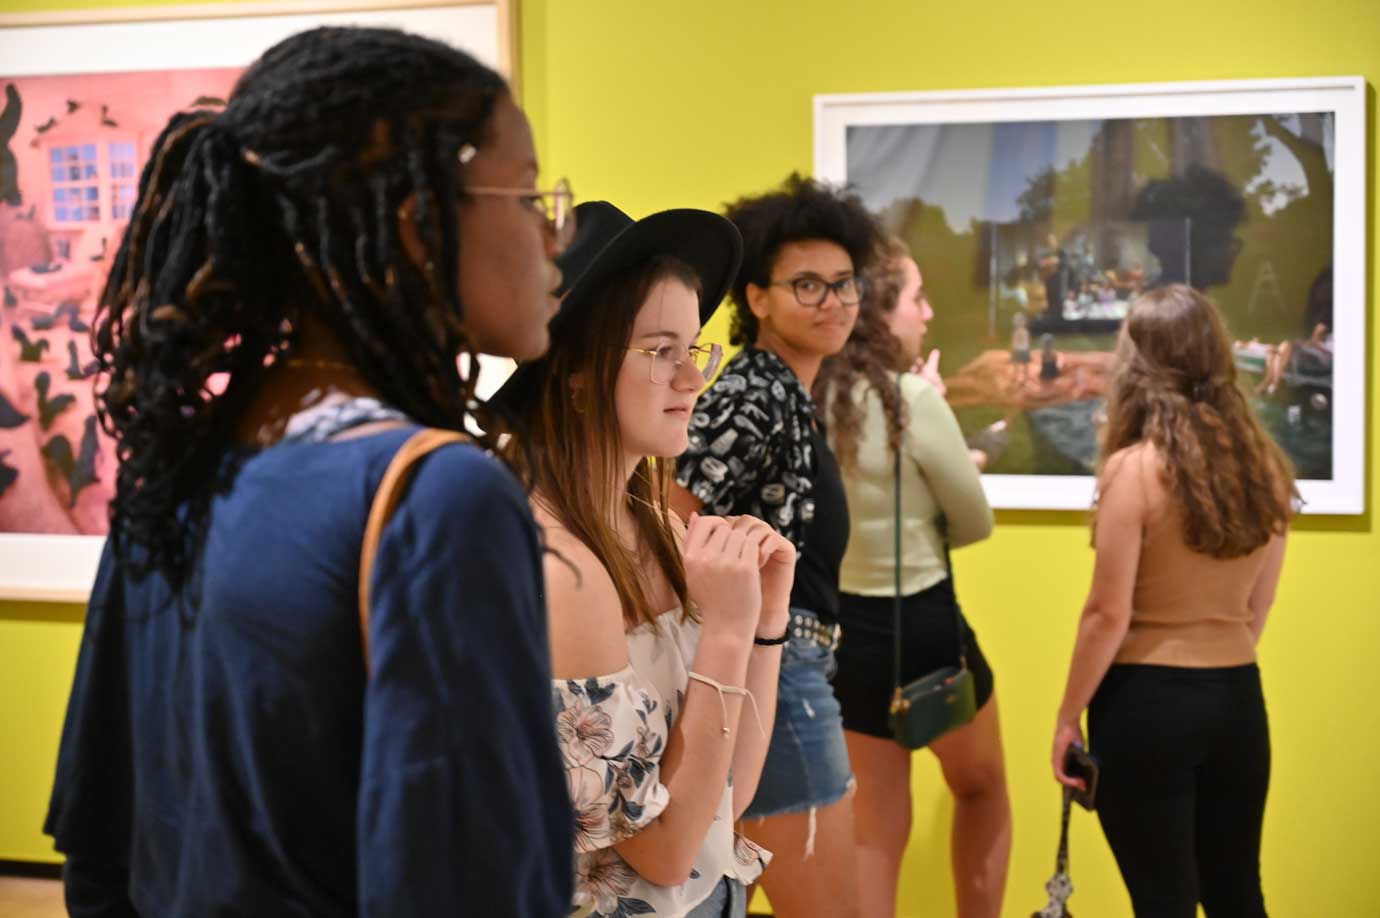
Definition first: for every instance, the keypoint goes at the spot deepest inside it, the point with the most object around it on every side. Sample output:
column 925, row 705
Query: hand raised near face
column 776, row 557
column 928, row 370
column 722, row 573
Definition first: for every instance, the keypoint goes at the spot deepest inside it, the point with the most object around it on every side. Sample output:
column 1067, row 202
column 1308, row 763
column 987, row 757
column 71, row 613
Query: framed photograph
column 1037, row 215
column 83, row 95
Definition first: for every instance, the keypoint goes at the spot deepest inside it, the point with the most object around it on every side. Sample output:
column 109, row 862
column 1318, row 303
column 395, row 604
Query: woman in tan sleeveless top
column 1194, row 502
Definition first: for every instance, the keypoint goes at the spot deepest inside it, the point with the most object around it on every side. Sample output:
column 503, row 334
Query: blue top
column 235, row 760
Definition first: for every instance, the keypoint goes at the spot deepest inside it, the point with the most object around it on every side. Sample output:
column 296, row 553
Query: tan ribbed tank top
column 1188, row 609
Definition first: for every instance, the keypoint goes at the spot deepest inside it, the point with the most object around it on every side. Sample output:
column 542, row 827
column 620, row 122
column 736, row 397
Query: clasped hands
column 739, row 572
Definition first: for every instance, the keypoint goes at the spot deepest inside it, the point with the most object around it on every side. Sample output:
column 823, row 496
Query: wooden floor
column 24, row 898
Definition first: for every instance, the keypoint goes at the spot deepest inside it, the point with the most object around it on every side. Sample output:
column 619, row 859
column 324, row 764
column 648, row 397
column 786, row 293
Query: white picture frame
column 61, row 568
column 1344, row 492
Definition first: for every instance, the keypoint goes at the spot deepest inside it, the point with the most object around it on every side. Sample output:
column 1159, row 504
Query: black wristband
column 771, row 642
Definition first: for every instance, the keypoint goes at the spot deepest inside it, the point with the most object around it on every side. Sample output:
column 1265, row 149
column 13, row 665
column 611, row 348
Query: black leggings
column 1185, row 759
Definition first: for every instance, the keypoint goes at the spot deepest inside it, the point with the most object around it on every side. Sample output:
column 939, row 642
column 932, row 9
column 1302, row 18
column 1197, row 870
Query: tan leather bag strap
column 386, row 499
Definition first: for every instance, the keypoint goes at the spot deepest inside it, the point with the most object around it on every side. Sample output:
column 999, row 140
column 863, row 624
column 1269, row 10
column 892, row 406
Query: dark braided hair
column 285, row 203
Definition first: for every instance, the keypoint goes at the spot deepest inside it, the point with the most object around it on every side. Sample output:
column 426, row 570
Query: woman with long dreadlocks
column 300, row 275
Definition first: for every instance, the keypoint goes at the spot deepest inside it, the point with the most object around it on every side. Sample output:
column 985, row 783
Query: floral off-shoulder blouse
column 613, row 732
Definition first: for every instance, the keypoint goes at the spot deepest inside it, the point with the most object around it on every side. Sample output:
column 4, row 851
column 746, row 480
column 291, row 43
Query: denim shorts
column 728, row 900
column 807, row 761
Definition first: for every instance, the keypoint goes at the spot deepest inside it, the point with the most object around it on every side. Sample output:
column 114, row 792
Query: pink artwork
column 71, row 152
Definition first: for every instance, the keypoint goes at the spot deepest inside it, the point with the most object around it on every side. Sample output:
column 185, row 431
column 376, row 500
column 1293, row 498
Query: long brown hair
column 872, row 352
column 573, row 455
column 1175, row 386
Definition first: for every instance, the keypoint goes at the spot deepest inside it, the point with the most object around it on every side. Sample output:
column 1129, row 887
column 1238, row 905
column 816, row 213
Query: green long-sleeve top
column 941, row 494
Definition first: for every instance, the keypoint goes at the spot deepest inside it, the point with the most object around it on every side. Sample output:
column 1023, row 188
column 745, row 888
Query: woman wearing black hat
column 661, row 634
column 757, row 446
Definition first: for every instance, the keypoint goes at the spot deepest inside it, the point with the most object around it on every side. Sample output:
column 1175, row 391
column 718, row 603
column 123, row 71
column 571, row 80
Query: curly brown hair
column 1175, row 386
column 801, row 209
column 872, row 353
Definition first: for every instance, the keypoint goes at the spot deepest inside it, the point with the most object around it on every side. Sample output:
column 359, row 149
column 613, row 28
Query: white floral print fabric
column 613, row 732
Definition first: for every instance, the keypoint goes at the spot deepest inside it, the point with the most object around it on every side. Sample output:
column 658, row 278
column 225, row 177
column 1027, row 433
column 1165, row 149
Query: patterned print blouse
column 613, row 732
column 750, row 449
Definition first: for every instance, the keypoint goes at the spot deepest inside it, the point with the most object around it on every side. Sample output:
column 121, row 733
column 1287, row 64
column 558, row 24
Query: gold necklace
column 300, row 363
column 645, row 503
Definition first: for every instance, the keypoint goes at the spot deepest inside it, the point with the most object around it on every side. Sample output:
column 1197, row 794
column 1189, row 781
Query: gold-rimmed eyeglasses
column 556, row 206
column 668, row 357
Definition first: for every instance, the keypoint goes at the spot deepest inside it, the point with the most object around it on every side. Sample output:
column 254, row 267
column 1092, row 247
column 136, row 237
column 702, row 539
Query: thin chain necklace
column 306, row 363
column 647, row 503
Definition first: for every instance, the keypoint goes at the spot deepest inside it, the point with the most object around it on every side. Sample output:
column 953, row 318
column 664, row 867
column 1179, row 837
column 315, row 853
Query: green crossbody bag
column 924, row 710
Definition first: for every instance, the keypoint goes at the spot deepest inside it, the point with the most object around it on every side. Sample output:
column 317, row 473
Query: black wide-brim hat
column 607, row 243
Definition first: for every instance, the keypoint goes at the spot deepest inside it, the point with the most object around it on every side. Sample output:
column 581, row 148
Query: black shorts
column 863, row 684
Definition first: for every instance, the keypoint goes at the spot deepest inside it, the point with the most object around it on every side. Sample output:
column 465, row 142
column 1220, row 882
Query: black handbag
column 924, row 710
column 1060, row 887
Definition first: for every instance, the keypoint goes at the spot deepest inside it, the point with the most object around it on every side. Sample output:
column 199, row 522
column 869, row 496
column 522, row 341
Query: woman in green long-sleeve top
column 877, row 405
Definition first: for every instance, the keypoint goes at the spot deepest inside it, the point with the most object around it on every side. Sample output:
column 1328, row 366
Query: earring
column 467, row 153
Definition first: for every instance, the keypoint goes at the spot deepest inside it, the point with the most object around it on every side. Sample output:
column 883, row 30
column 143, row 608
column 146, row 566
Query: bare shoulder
column 1131, row 476
column 1139, row 461
column 584, row 616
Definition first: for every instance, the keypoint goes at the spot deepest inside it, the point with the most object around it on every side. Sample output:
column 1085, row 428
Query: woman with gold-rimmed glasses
column 286, row 309
column 556, row 206
column 665, row 637
column 668, row 356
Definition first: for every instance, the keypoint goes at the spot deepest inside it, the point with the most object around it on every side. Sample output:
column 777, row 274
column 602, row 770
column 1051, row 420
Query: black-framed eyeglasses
column 668, row 358
column 556, row 206
column 811, row 290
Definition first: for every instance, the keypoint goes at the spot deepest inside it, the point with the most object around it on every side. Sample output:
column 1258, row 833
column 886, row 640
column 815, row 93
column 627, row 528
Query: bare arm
column 750, row 753
column 587, row 632
column 721, row 568
column 1107, row 611
column 1263, row 593
column 695, row 766
column 778, row 557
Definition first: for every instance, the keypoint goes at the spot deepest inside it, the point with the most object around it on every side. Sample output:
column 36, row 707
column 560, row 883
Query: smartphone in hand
column 1079, row 763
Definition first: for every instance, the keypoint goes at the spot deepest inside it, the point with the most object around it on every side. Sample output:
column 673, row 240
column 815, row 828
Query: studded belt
column 812, row 629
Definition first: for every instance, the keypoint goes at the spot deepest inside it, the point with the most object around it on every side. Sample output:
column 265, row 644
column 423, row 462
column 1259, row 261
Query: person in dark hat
column 666, row 639
column 757, row 446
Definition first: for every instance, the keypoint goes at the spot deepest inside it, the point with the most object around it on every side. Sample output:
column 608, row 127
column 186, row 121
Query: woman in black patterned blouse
column 757, row 447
